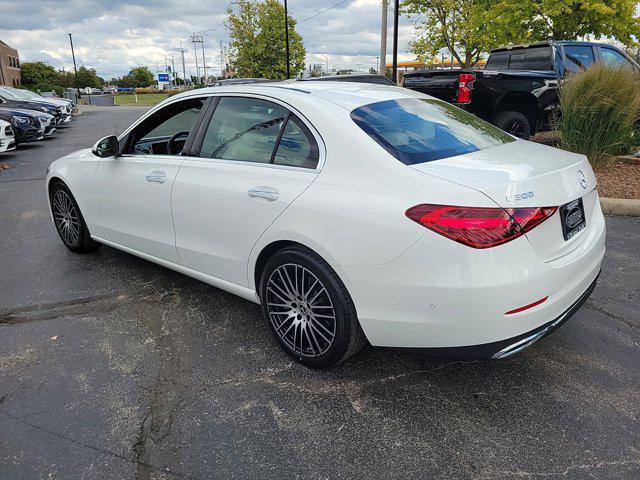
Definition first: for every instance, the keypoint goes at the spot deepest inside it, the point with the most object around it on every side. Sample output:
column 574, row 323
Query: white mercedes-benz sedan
column 352, row 212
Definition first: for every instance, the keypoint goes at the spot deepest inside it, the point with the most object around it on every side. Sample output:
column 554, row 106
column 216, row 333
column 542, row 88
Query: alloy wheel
column 65, row 217
column 300, row 310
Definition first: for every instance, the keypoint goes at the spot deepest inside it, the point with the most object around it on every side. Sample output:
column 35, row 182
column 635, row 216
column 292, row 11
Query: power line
column 323, row 11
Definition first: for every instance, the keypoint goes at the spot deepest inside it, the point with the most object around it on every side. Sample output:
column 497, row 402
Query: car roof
column 552, row 42
column 349, row 95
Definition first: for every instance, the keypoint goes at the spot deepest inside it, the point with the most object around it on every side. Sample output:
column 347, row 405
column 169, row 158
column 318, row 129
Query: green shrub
column 600, row 108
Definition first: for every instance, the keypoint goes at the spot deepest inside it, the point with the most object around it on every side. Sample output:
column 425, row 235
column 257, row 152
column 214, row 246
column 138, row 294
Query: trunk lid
column 526, row 174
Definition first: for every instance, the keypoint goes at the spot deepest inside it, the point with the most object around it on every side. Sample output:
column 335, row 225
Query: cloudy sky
column 113, row 36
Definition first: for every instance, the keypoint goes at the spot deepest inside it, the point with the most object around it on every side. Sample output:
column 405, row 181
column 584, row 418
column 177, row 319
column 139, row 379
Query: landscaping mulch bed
column 619, row 180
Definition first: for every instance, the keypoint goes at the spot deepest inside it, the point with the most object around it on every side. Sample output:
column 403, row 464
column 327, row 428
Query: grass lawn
column 143, row 98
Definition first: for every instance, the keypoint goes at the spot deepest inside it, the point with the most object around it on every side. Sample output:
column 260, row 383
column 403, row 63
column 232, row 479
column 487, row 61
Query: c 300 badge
column 520, row 196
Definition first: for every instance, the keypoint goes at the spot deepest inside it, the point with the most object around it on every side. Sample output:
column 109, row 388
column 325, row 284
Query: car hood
column 20, row 111
column 29, row 104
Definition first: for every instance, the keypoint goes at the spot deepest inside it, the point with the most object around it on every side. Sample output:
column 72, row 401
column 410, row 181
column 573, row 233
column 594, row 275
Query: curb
column 620, row 207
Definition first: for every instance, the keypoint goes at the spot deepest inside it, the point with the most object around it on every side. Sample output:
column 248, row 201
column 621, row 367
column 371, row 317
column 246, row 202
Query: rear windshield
column 416, row 130
column 531, row 58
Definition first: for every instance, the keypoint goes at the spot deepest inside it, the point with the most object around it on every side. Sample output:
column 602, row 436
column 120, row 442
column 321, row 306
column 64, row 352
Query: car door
column 133, row 190
column 254, row 157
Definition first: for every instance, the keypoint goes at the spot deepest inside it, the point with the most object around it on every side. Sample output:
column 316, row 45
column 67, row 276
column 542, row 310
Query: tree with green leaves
column 257, row 32
column 570, row 19
column 39, row 76
column 88, row 77
column 467, row 28
column 137, row 77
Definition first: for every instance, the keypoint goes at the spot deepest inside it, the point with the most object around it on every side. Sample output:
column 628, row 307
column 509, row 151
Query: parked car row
column 26, row 116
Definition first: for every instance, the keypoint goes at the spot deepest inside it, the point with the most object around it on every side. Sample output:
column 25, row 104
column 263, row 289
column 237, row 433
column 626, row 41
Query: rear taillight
column 479, row 227
column 465, row 85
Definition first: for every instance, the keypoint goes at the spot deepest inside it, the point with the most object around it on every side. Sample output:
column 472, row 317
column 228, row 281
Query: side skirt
column 239, row 290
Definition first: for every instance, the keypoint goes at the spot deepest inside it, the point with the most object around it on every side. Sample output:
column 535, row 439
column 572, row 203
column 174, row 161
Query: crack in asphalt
column 95, row 448
column 48, row 311
column 590, row 306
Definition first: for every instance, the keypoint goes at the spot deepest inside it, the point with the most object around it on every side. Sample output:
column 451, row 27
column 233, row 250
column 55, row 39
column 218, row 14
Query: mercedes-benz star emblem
column 582, row 179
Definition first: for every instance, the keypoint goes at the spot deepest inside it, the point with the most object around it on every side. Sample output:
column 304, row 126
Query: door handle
column 156, row 177
column 267, row 193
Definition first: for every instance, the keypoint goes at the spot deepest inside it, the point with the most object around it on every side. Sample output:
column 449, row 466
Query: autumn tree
column 257, row 33
column 570, row 19
column 467, row 28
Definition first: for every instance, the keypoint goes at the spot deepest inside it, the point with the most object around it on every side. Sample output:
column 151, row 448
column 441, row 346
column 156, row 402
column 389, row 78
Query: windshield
column 7, row 94
column 416, row 130
column 27, row 95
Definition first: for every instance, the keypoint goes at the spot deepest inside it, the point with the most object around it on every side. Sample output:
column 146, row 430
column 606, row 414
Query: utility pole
column 396, row 14
column 194, row 40
column 222, row 69
column 286, row 36
column 383, row 38
column 75, row 69
column 184, row 69
column 173, row 72
column 204, row 62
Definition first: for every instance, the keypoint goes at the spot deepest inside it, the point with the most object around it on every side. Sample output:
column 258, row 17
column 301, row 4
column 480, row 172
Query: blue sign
column 163, row 77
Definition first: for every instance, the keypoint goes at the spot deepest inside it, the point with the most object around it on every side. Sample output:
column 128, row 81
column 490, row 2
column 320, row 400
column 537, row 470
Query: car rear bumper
column 510, row 346
column 440, row 294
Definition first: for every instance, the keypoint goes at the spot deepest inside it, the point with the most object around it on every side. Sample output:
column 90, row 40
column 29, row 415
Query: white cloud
column 113, row 36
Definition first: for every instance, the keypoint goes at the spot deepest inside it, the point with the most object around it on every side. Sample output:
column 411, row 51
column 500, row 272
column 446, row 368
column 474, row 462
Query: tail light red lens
column 465, row 85
column 479, row 227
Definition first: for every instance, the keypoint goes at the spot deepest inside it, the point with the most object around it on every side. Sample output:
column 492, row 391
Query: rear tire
column 69, row 221
column 308, row 308
column 514, row 123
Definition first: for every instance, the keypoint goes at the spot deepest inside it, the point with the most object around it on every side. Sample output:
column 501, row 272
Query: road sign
column 163, row 77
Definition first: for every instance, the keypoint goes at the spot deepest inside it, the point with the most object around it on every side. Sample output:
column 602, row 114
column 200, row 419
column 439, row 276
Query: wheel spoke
column 276, row 293
column 294, row 298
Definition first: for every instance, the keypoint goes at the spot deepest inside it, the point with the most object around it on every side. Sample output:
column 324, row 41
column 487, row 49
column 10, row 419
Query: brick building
column 10, row 73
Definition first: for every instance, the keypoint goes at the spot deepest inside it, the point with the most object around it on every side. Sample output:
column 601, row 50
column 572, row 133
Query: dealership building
column 10, row 72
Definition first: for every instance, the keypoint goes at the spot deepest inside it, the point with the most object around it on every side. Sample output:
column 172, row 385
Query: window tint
column 532, row 58
column 244, row 129
column 175, row 121
column 422, row 130
column 498, row 61
column 578, row 57
column 297, row 147
column 614, row 58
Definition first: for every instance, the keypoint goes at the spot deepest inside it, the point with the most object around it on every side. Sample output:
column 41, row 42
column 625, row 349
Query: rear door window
column 614, row 58
column 297, row 147
column 416, row 130
column 578, row 57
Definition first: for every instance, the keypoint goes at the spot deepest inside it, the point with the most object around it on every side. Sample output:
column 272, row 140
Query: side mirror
column 106, row 147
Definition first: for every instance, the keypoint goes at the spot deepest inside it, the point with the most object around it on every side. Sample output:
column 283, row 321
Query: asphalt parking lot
column 112, row 367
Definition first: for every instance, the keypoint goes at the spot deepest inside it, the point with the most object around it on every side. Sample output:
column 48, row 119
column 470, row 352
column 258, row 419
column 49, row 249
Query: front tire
column 514, row 123
column 69, row 221
column 308, row 308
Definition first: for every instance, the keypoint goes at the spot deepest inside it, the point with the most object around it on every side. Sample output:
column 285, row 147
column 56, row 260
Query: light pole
column 383, row 38
column 286, row 36
column 75, row 69
column 396, row 14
